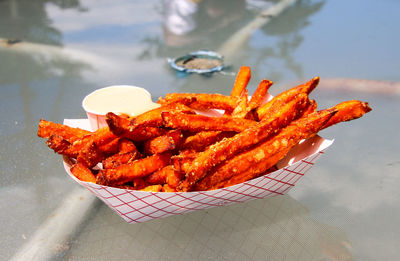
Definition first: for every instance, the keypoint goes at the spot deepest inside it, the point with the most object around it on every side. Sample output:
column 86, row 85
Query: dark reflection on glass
column 28, row 21
column 31, row 52
column 287, row 29
column 189, row 26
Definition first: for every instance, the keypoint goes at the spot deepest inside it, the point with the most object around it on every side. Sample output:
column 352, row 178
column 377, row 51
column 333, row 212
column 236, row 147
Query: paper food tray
column 140, row 206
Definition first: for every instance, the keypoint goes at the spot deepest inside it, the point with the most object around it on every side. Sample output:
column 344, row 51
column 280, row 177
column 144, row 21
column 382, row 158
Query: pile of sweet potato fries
column 173, row 148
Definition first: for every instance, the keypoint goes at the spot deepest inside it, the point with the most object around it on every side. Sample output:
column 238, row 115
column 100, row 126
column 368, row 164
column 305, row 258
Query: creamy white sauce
column 119, row 99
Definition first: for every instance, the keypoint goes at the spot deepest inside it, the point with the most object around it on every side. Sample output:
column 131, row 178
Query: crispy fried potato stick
column 118, row 159
column 241, row 108
column 183, row 160
column 139, row 183
column 256, row 161
column 202, row 139
column 59, row 145
column 167, row 175
column 167, row 188
column 90, row 155
column 275, row 104
column 174, row 177
column 258, row 96
column 242, row 79
column 135, row 169
column 198, row 122
column 102, row 138
column 47, row 129
column 152, row 188
column 159, row 176
column 89, row 147
column 202, row 101
column 126, row 145
column 170, row 141
column 348, row 110
column 227, row 148
column 120, row 126
column 153, row 117
column 127, row 152
column 82, row 172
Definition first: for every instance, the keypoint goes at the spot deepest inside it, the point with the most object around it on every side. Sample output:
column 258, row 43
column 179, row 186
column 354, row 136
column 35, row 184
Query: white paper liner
column 140, row 206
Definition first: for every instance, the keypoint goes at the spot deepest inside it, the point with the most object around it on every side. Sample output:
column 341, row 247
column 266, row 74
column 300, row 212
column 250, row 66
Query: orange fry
column 168, row 188
column 120, row 126
column 60, row 145
column 82, row 172
column 229, row 147
column 120, row 159
column 152, row 188
column 258, row 96
column 135, row 169
column 242, row 79
column 101, row 138
column 348, row 110
column 274, row 104
column 246, row 165
column 90, row 155
column 202, row 101
column 159, row 176
column 47, row 129
column 125, row 145
column 169, row 141
column 153, row 117
column 183, row 160
column 202, row 139
column 174, row 177
column 241, row 108
column 197, row 122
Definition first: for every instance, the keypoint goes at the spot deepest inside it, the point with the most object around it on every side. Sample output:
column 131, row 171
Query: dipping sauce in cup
column 119, row 99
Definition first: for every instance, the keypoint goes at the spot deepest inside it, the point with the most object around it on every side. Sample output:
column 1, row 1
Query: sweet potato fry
column 139, row 183
column 101, row 138
column 229, row 147
column 120, row 126
column 204, row 123
column 152, row 188
column 153, row 117
column 183, row 160
column 159, row 176
column 171, row 140
column 167, row 175
column 168, row 188
column 174, row 177
column 241, row 108
column 135, row 169
column 242, row 79
column 258, row 96
column 118, row 159
column 59, row 145
column 275, row 104
column 82, row 172
column 90, row 155
column 348, row 110
column 252, row 163
column 202, row 101
column 125, row 145
column 47, row 129
column 202, row 139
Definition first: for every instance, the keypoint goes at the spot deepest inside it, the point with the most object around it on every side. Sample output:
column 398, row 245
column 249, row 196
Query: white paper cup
column 119, row 99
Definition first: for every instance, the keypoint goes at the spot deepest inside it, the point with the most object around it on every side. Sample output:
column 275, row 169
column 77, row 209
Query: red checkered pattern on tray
column 140, row 206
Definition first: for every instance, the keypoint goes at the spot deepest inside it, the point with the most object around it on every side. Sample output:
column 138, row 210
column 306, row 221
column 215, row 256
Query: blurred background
column 54, row 52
